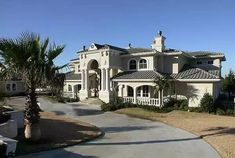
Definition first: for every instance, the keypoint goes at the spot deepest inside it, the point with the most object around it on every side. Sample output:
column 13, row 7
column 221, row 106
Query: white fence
column 142, row 101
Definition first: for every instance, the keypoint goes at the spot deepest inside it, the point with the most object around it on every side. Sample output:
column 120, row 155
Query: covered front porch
column 143, row 93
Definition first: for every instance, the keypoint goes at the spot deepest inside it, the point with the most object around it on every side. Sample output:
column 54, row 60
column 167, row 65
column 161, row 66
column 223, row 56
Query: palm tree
column 161, row 84
column 31, row 59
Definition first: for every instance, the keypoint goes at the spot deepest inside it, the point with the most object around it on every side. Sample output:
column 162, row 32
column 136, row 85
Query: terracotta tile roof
column 189, row 72
column 148, row 74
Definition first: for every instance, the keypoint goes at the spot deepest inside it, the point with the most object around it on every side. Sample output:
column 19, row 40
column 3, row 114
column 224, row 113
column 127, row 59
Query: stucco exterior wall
column 159, row 63
column 182, row 61
column 115, row 60
column 72, row 83
column 195, row 91
column 216, row 62
column 168, row 63
column 150, row 62
column 20, row 87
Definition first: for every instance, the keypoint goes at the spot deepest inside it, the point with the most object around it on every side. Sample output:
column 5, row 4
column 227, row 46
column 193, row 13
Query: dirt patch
column 219, row 131
column 57, row 131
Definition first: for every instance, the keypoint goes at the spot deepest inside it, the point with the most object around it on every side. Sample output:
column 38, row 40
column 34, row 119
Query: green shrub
column 176, row 104
column 194, row 109
column 220, row 111
column 183, row 105
column 206, row 103
column 4, row 117
column 171, row 103
column 229, row 112
column 63, row 100
column 106, row 107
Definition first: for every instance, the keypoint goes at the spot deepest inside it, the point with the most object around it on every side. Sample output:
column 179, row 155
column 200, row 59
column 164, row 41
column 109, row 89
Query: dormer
column 158, row 42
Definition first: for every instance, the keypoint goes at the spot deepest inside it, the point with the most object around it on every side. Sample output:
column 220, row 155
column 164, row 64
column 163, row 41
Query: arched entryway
column 94, row 78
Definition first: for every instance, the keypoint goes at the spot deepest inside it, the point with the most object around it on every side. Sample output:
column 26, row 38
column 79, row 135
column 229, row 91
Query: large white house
column 100, row 68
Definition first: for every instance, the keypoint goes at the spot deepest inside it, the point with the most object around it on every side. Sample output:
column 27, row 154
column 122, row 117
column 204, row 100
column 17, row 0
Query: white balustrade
column 70, row 94
column 143, row 101
column 128, row 99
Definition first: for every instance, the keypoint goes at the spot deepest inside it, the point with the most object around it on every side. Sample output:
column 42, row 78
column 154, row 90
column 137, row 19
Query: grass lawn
column 219, row 131
column 57, row 131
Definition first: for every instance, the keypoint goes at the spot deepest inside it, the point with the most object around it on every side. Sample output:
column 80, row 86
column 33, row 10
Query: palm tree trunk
column 32, row 128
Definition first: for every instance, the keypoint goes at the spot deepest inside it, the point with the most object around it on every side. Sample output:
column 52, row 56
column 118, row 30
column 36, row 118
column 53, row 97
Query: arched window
column 69, row 88
column 132, row 64
column 143, row 64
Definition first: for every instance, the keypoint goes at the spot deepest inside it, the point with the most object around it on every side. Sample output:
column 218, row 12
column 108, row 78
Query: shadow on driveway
column 143, row 142
column 125, row 128
column 85, row 112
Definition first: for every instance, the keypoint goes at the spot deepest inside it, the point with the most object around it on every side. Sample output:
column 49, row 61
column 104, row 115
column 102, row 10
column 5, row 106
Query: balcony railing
column 142, row 101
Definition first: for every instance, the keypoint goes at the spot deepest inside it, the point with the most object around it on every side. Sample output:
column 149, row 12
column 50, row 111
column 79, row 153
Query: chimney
column 159, row 42
column 84, row 48
column 129, row 45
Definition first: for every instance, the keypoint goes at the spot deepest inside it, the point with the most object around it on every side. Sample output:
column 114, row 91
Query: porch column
column 107, row 80
column 86, row 79
column 159, row 97
column 135, row 98
column 121, row 91
column 102, row 80
column 82, row 78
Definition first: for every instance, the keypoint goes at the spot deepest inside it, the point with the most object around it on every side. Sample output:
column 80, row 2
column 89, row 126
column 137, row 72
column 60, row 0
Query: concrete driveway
column 126, row 137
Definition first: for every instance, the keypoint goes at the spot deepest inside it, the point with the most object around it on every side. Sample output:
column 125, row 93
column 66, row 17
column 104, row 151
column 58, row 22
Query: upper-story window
column 132, row 64
column 199, row 62
column 210, row 62
column 143, row 64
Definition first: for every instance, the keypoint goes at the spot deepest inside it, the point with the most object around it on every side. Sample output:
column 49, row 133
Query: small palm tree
column 31, row 59
column 161, row 84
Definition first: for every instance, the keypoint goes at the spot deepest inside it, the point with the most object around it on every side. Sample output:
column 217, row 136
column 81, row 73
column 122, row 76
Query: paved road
column 127, row 137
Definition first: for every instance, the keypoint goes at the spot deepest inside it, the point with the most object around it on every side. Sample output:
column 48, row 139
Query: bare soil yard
column 57, row 131
column 219, row 131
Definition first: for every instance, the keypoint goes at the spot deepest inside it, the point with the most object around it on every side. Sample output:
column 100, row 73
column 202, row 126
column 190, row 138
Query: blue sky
column 187, row 24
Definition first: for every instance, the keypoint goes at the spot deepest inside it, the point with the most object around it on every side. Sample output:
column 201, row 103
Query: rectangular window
column 13, row 87
column 199, row 62
column 130, row 92
column 145, row 91
column 8, row 87
column 139, row 92
column 211, row 62
column 69, row 88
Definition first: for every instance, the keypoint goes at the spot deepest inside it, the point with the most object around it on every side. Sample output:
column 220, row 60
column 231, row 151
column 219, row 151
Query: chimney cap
column 160, row 33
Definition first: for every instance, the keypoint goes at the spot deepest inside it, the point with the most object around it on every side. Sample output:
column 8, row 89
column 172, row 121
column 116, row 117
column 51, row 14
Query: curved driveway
column 127, row 137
